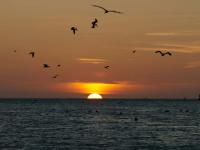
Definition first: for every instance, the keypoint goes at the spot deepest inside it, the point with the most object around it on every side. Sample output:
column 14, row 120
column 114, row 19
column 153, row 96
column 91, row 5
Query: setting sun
column 94, row 96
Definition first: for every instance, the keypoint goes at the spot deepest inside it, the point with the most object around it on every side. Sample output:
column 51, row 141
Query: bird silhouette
column 107, row 67
column 163, row 54
column 94, row 23
column 55, row 76
column 106, row 10
column 46, row 66
column 32, row 54
column 134, row 51
column 74, row 29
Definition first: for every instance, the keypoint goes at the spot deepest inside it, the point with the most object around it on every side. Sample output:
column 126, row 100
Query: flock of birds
column 94, row 25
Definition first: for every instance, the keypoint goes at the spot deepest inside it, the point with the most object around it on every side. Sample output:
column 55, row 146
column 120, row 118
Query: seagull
column 32, row 54
column 163, row 54
column 55, row 76
column 74, row 29
column 106, row 10
column 94, row 23
column 107, row 67
column 134, row 51
column 46, row 66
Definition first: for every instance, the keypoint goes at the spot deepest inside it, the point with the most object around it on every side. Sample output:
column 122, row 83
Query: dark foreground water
column 111, row 124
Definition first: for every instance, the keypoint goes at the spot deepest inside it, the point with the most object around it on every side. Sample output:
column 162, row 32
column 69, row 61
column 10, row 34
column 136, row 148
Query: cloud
column 191, row 65
column 162, row 34
column 91, row 60
column 183, row 33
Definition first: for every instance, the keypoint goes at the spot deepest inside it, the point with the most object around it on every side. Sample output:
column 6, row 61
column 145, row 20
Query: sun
column 94, row 96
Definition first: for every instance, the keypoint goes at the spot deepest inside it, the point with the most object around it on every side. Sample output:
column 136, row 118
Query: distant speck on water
column 136, row 119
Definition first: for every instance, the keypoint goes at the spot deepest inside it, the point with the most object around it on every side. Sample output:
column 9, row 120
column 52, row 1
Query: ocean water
column 109, row 124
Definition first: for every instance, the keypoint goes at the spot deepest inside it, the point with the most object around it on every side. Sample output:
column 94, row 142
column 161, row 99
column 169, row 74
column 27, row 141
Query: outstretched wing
column 158, row 52
column 106, row 67
column 46, row 66
column 114, row 11
column 32, row 54
column 169, row 53
column 100, row 7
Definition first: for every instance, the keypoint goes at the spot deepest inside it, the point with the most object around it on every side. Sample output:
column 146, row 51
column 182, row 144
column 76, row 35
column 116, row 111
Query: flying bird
column 55, row 76
column 46, row 66
column 163, row 54
column 94, row 23
column 106, row 10
column 74, row 29
column 32, row 54
column 107, row 67
column 134, row 51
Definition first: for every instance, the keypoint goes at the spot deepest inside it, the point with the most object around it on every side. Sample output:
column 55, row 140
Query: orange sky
column 43, row 26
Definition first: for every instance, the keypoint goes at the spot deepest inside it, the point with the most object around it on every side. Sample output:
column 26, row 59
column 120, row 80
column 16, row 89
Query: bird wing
column 45, row 66
column 32, row 54
column 158, row 52
column 74, row 28
column 99, row 7
column 114, row 11
column 168, row 53
column 96, row 21
column 106, row 66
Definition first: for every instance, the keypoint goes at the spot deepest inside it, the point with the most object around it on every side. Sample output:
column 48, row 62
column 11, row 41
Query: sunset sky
column 44, row 26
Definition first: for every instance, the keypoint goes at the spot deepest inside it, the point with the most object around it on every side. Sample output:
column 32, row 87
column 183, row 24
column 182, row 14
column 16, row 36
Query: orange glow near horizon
column 100, row 88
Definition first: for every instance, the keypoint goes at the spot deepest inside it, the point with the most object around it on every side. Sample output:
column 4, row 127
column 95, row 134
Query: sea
column 113, row 124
